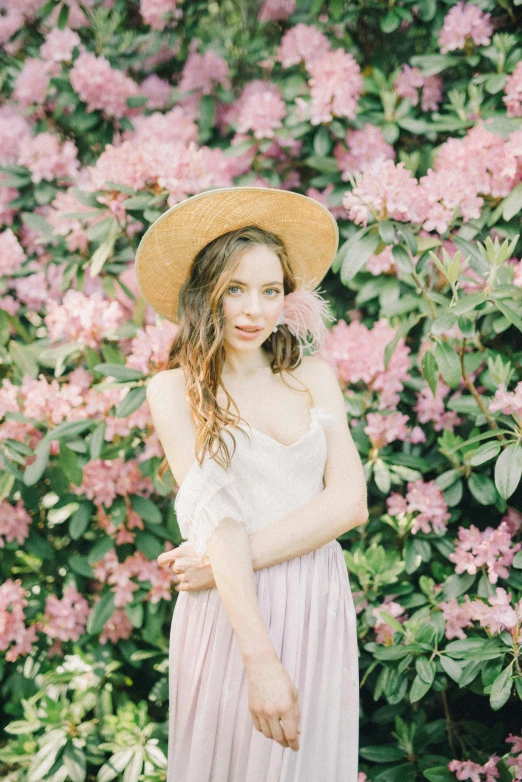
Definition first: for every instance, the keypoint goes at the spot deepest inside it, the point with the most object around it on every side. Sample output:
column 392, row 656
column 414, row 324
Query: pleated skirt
column 307, row 607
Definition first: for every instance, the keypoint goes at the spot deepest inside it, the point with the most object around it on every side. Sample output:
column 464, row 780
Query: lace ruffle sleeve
column 208, row 494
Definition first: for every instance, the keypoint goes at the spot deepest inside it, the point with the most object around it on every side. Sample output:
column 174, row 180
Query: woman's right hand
column 272, row 696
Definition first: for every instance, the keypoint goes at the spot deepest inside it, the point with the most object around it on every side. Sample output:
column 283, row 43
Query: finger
column 265, row 727
column 166, row 557
column 278, row 732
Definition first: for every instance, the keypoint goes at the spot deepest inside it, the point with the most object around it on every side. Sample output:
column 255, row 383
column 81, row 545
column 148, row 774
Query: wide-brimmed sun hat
column 166, row 252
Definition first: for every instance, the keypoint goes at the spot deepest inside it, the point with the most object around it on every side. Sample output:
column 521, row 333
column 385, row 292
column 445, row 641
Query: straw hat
column 165, row 254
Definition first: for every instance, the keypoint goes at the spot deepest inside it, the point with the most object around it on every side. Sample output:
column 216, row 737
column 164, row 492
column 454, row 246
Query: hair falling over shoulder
column 198, row 345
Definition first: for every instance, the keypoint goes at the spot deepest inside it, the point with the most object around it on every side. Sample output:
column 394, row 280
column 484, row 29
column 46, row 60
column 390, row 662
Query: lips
column 248, row 330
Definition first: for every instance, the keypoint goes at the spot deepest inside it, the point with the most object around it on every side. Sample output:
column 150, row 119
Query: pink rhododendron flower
column 357, row 353
column 49, row 401
column 410, row 80
column 466, row 769
column 174, row 127
column 364, row 148
column 302, row 43
column 104, row 479
column 508, row 402
column 385, row 190
column 492, row 547
column 66, row 619
column 463, row 22
column 425, row 497
column 47, row 158
column 117, row 628
column 83, row 318
column 497, row 615
column 10, row 24
column 384, row 429
column 15, row 131
column 202, row 72
column 335, row 86
column 157, row 91
column 12, row 254
column 260, row 108
column 384, row 632
column 59, row 45
column 157, row 13
column 100, row 86
column 12, row 621
column 513, row 90
column 276, row 10
column 431, row 408
column 32, row 82
column 150, row 347
column 14, row 523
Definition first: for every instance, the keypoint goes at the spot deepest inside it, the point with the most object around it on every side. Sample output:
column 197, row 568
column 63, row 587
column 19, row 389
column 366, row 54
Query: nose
column 252, row 305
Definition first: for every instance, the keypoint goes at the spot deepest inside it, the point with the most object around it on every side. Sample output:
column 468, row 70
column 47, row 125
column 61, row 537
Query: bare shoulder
column 172, row 419
column 321, row 379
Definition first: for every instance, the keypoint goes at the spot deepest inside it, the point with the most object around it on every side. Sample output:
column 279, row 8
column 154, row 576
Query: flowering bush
column 405, row 120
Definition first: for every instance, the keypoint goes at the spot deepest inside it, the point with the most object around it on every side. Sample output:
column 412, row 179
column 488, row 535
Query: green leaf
column 327, row 165
column 115, row 765
column 81, row 566
column 482, row 488
column 119, row 372
column 513, row 203
column 33, row 472
column 508, row 313
column 101, row 613
column 102, row 546
column 439, row 774
column 37, row 223
column 508, row 470
column 322, row 142
column 75, row 762
column 80, row 520
column 381, row 753
column 133, row 771
column 131, row 402
column 418, row 689
column 146, row 509
column 135, row 614
column 517, row 560
column 390, row 22
column 148, row 544
column 456, row 585
column 63, row 16
column 501, row 689
column 425, row 670
column 451, row 667
column 448, row 363
column 355, row 253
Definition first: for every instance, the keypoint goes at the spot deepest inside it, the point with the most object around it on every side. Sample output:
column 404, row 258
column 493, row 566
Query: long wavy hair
column 198, row 345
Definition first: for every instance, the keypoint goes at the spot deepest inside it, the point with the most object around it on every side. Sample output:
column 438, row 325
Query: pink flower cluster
column 466, row 769
column 365, row 146
column 59, row 45
column 357, row 353
column 202, row 72
column 260, row 108
column 47, row 158
column 384, row 632
column 491, row 548
column 426, row 499
column 117, row 628
column 84, row 318
column 508, row 402
column 104, row 479
column 336, row 80
column 498, row 616
column 384, row 429
column 178, row 168
column 465, row 22
column 516, row 748
column 120, row 574
column 465, row 170
column 14, row 522
column 150, row 347
column 513, row 90
column 276, row 10
column 410, row 80
column 157, row 13
column 100, row 86
column 32, row 82
column 12, row 621
column 66, row 619
column 431, row 409
column 12, row 254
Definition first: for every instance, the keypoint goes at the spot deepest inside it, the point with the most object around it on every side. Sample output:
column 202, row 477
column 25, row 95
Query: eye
column 232, row 287
column 273, row 289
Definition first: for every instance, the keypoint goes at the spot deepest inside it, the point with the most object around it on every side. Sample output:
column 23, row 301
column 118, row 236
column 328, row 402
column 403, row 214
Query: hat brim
column 166, row 252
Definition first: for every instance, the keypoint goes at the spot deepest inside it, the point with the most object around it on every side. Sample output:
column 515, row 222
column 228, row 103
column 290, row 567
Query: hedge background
column 405, row 119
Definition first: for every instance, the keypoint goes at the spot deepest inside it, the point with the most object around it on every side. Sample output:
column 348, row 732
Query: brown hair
column 198, row 345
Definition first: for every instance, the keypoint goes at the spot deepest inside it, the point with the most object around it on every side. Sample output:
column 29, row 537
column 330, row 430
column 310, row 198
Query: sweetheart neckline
column 311, row 428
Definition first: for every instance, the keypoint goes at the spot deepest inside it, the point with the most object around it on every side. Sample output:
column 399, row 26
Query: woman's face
column 254, row 298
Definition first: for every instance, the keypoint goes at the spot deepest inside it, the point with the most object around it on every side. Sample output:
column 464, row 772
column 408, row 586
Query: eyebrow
column 276, row 282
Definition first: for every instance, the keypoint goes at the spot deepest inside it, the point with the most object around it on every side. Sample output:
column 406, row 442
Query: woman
column 263, row 669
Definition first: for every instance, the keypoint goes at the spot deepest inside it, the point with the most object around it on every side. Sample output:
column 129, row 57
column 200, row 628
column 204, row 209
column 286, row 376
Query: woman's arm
column 321, row 520
column 229, row 555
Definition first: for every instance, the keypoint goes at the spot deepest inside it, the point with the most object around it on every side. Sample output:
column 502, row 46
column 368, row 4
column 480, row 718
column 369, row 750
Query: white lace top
column 266, row 481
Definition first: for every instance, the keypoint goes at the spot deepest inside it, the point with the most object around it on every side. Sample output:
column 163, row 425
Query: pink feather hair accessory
column 304, row 315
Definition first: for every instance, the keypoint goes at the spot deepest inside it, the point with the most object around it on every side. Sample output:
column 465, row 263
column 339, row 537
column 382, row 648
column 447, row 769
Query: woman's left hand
column 192, row 571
